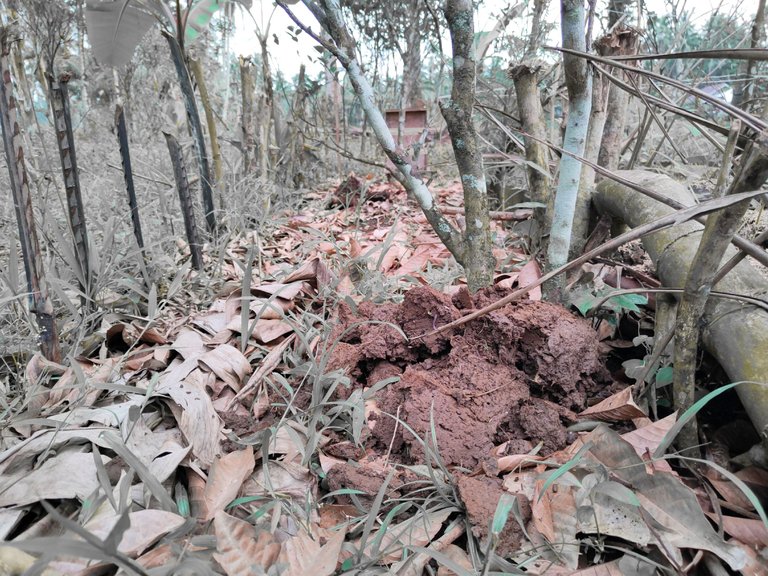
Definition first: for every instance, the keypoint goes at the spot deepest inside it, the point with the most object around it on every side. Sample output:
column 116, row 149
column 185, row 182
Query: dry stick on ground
column 718, row 232
column 756, row 54
column 757, row 124
column 731, row 264
column 667, row 104
column 142, row 177
column 419, row 560
column 510, row 216
column 679, row 217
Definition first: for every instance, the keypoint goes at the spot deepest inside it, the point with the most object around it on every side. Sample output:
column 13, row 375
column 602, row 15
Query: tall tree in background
column 52, row 24
column 115, row 29
column 400, row 26
column 39, row 300
column 745, row 87
column 472, row 247
column 578, row 79
column 625, row 41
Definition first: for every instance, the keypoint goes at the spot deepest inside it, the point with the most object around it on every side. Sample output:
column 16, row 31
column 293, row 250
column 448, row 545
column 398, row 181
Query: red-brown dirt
column 517, row 375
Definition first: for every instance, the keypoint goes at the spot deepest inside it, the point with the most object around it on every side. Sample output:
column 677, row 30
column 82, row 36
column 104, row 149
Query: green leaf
column 573, row 462
column 664, row 376
column 666, row 442
column 628, row 301
column 199, row 17
column 584, row 301
column 500, row 516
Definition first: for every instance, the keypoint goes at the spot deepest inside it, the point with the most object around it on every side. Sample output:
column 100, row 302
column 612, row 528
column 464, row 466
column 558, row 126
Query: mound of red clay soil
column 517, row 375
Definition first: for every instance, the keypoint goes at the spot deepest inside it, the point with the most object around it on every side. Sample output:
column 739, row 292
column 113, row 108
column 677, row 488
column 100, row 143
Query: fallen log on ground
column 735, row 333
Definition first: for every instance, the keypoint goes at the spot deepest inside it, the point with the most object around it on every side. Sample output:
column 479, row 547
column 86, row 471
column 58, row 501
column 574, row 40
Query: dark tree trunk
column 247, row 123
column 185, row 199
column 59, row 96
column 125, row 156
column 193, row 117
column 39, row 301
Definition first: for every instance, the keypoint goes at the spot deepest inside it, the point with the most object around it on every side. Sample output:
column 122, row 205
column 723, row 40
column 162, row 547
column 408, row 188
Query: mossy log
column 734, row 332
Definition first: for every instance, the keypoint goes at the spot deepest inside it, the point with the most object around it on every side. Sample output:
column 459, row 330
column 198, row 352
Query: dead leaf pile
column 171, row 443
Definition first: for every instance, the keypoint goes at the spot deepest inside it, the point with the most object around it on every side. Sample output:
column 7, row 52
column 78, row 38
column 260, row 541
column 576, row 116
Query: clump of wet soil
column 517, row 375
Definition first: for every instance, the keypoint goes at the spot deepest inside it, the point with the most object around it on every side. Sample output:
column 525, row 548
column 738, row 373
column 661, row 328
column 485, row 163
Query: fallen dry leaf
column 304, row 555
column 645, row 440
column 240, row 551
column 225, row 479
column 617, row 407
column 512, row 462
column 283, row 478
column 529, row 273
column 458, row 556
column 750, row 531
column 228, row 363
column 146, row 528
column 186, row 385
column 14, row 561
column 52, row 480
column 664, row 500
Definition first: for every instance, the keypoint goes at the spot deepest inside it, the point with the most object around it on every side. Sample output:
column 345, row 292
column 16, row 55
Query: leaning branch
column 341, row 44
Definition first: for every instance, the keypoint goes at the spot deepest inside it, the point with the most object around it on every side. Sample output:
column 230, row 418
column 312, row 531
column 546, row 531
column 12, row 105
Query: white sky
column 288, row 55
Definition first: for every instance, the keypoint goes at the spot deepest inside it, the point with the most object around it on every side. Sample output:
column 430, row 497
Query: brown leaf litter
column 202, row 425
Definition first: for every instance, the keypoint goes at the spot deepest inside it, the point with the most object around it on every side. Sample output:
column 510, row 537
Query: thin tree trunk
column 65, row 141
column 337, row 119
column 39, row 301
column 478, row 259
column 193, row 117
column 718, row 234
column 744, row 89
column 229, row 11
column 210, row 119
column 276, row 112
column 185, row 199
column 601, row 89
column 412, row 58
column 81, row 27
column 618, row 100
column 525, row 77
column 247, row 133
column 294, row 173
column 344, row 50
column 578, row 79
column 534, row 38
